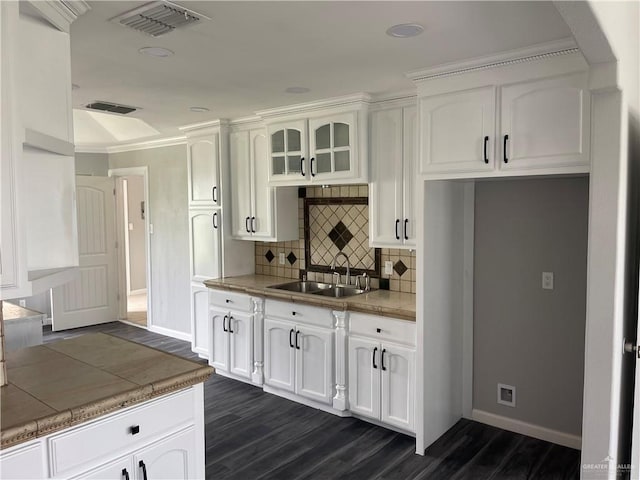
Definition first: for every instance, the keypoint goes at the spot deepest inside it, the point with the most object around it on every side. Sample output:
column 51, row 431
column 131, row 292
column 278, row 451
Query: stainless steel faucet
column 333, row 265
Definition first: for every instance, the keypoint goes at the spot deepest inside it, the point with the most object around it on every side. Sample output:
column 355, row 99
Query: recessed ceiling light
column 199, row 109
column 156, row 52
column 297, row 90
column 405, row 30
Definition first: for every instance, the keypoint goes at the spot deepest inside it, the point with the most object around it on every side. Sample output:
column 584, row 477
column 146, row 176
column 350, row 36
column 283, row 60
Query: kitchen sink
column 318, row 288
column 340, row 291
column 303, row 287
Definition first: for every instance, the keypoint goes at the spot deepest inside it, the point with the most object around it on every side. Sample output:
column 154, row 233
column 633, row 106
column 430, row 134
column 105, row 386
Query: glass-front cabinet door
column 333, row 147
column 288, row 162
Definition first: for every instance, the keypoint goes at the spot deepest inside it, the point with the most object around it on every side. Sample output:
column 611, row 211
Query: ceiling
column 250, row 52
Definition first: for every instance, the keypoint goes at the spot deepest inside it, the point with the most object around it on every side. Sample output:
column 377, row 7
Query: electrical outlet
column 506, row 395
column 547, row 280
column 281, row 258
column 23, row 303
column 388, row 267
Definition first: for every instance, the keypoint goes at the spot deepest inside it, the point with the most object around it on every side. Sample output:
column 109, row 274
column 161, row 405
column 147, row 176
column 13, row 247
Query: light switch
column 547, row 280
column 388, row 267
column 131, row 227
column 281, row 258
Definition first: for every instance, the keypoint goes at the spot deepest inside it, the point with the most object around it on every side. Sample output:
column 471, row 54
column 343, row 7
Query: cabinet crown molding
column 60, row 13
column 356, row 100
column 210, row 126
column 528, row 54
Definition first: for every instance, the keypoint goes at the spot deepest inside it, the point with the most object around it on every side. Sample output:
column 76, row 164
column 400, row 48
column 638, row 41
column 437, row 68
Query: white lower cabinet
column 299, row 359
column 158, row 439
column 231, row 347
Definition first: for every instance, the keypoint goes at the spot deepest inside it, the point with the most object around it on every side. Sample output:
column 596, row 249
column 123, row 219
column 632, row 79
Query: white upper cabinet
column 528, row 127
column 333, row 150
column 393, row 178
column 288, row 153
column 457, row 131
column 318, row 143
column 203, row 169
column 545, row 124
column 259, row 212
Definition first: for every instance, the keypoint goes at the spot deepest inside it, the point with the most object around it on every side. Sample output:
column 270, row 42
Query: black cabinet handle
column 134, row 430
column 290, row 338
column 224, row 324
column 302, row 166
column 125, row 474
column 486, row 141
column 373, row 358
column 246, row 224
column 406, row 221
column 215, row 220
column 253, row 224
column 230, row 318
column 382, row 359
column 397, row 236
column 311, row 167
column 297, row 344
column 214, row 191
column 144, row 469
column 504, row 149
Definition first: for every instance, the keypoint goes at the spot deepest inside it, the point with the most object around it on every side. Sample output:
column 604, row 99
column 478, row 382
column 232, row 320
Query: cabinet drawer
column 383, row 328
column 230, row 300
column 112, row 435
column 296, row 312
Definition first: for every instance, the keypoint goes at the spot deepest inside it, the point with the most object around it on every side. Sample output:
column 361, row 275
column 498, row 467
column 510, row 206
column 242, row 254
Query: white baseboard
column 170, row 333
column 140, row 291
column 529, row 429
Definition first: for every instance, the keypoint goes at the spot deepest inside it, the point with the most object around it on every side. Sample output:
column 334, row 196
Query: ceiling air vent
column 158, row 18
column 110, row 107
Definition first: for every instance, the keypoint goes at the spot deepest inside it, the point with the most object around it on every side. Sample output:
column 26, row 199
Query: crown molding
column 357, row 100
column 210, row 126
column 528, row 54
column 386, row 100
column 59, row 13
column 129, row 147
column 246, row 121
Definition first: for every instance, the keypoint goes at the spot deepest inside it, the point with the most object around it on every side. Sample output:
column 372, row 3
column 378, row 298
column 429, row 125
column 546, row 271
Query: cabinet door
column 547, row 123
column 279, row 355
column 333, row 149
column 172, row 458
column 200, row 319
column 116, row 470
column 262, row 195
column 385, row 191
column 453, row 128
column 241, row 198
column 288, row 161
column 314, row 363
column 409, row 175
column 203, row 165
column 219, row 339
column 398, row 386
column 23, row 462
column 241, row 344
column 364, row 377
column 204, row 228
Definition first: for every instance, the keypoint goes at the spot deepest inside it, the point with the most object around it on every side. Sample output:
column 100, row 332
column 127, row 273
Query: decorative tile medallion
column 291, row 258
column 400, row 267
column 269, row 256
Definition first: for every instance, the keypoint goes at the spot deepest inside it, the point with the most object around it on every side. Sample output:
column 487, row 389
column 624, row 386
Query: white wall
column 136, row 232
column 170, row 239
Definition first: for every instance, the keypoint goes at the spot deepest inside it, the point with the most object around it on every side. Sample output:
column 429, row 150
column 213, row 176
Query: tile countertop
column 57, row 385
column 377, row 302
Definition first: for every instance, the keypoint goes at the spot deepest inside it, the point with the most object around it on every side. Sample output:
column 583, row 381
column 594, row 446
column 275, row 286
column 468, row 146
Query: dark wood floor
column 251, row 434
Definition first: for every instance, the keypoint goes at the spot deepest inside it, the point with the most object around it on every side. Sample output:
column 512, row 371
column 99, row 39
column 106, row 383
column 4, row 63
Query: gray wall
column 170, row 239
column 137, row 249
column 92, row 164
column 523, row 335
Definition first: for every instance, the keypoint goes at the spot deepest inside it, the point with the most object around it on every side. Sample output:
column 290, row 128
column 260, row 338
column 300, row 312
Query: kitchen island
column 96, row 404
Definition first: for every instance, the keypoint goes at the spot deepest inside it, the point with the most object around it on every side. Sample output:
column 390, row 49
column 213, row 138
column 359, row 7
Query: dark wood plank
column 251, row 435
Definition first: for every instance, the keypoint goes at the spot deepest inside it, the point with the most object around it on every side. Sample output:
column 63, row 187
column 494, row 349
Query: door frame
column 121, row 234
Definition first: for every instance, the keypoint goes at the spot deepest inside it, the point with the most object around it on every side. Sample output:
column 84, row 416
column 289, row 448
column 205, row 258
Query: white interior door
column 92, row 297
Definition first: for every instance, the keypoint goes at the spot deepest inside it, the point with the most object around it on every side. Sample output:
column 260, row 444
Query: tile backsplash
column 324, row 244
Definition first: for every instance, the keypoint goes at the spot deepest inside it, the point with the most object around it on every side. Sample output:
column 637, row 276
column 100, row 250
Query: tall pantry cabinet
column 213, row 253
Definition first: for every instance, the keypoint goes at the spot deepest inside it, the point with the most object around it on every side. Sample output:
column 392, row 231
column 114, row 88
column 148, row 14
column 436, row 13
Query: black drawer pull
column 486, row 141
column 224, row 324
column 406, row 221
column 246, row 225
column 213, row 194
column 397, row 223
column 125, row 474
column 504, row 149
column 302, row 166
column 384, row 350
column 144, row 469
column 374, row 357
column 253, row 224
column 291, row 338
column 215, row 220
column 311, row 167
column 134, row 430
column 297, row 344
column 230, row 318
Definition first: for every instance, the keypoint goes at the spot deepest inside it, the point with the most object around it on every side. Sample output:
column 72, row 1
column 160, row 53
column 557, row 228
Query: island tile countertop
column 377, row 302
column 61, row 384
